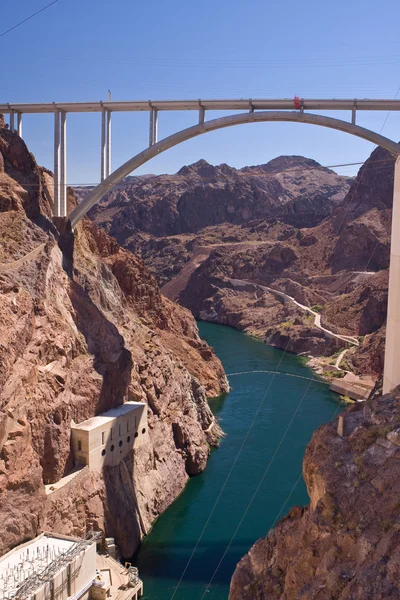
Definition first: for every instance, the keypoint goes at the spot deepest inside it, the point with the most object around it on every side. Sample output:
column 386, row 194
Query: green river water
column 255, row 484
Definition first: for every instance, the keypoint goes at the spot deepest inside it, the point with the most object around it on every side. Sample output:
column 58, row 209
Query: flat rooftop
column 32, row 557
column 108, row 416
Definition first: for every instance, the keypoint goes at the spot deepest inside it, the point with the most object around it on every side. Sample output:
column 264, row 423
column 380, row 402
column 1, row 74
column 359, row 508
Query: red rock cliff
column 79, row 337
column 346, row 544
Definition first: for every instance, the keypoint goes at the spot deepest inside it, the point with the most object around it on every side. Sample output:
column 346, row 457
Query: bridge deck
column 238, row 104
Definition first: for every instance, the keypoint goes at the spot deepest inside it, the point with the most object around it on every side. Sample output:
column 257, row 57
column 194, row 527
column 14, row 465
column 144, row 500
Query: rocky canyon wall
column 232, row 237
column 81, row 334
column 345, row 545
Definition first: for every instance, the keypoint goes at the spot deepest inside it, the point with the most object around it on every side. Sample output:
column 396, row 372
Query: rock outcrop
column 266, row 226
column 296, row 189
column 346, row 543
column 81, row 333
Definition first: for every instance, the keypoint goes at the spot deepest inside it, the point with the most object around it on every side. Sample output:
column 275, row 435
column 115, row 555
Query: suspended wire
column 240, row 173
column 268, row 466
column 28, row 18
column 295, row 484
column 230, row 472
column 263, row 476
column 389, row 112
column 257, row 488
column 236, row 63
column 286, row 373
column 382, row 128
column 361, row 175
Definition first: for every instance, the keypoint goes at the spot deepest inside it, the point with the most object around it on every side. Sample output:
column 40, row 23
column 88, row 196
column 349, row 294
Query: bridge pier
column 202, row 114
column 63, row 165
column 105, row 143
column 153, row 127
column 391, row 373
column 60, row 164
column 12, row 120
column 19, row 124
column 56, row 208
column 108, row 144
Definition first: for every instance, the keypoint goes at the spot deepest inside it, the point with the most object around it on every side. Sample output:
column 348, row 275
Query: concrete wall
column 61, row 491
column 109, row 442
column 44, row 593
column 60, row 584
column 83, row 570
column 70, row 579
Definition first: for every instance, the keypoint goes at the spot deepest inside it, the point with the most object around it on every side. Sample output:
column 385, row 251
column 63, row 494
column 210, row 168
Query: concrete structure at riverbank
column 353, row 386
column 106, row 439
column 49, row 567
column 58, row 567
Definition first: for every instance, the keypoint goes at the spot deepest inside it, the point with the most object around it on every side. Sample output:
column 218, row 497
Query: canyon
column 289, row 252
column 345, row 544
column 229, row 244
column 85, row 328
column 286, row 279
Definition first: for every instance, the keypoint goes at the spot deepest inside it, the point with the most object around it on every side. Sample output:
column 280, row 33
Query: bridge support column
column 151, row 128
column 12, row 120
column 105, row 143
column 108, row 144
column 391, row 373
column 155, row 126
column 202, row 115
column 19, row 122
column 63, row 166
column 57, row 208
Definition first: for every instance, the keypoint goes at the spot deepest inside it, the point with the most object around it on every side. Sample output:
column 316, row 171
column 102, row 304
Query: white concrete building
column 107, row 438
column 49, row 567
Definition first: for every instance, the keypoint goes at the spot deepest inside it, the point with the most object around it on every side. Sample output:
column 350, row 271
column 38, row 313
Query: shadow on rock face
column 111, row 359
column 122, row 500
column 66, row 240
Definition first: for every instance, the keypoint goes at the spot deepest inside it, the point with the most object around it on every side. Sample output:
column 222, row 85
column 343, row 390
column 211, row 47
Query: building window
column 127, row 425
column 102, row 438
column 119, row 429
column 103, row 452
column 144, row 430
column 112, row 448
column 128, row 439
column 79, row 446
column 111, row 433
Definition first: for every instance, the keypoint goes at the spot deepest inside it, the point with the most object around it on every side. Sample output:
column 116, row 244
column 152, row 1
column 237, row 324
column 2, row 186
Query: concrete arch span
column 186, row 134
column 391, row 374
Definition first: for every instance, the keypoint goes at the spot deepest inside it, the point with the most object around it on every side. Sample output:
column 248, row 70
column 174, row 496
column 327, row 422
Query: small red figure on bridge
column 297, row 103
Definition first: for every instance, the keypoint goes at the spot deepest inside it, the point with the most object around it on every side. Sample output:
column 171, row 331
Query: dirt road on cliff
column 317, row 317
column 173, row 288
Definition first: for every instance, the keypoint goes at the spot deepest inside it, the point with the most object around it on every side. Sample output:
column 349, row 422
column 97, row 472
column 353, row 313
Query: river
column 248, row 481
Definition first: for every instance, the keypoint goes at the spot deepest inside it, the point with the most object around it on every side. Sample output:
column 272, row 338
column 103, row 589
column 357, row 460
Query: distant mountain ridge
column 293, row 188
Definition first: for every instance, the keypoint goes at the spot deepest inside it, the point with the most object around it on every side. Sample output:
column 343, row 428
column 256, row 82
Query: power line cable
column 378, row 240
column 259, row 484
column 358, row 184
column 278, row 516
column 230, row 472
column 389, row 112
column 240, row 172
column 28, row 18
column 257, row 489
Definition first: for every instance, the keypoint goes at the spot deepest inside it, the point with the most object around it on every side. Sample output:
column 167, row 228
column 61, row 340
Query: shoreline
column 348, row 385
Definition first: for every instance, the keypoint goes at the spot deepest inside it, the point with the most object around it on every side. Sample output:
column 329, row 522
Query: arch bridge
column 251, row 111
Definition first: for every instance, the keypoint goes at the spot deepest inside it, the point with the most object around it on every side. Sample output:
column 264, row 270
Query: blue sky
column 78, row 49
